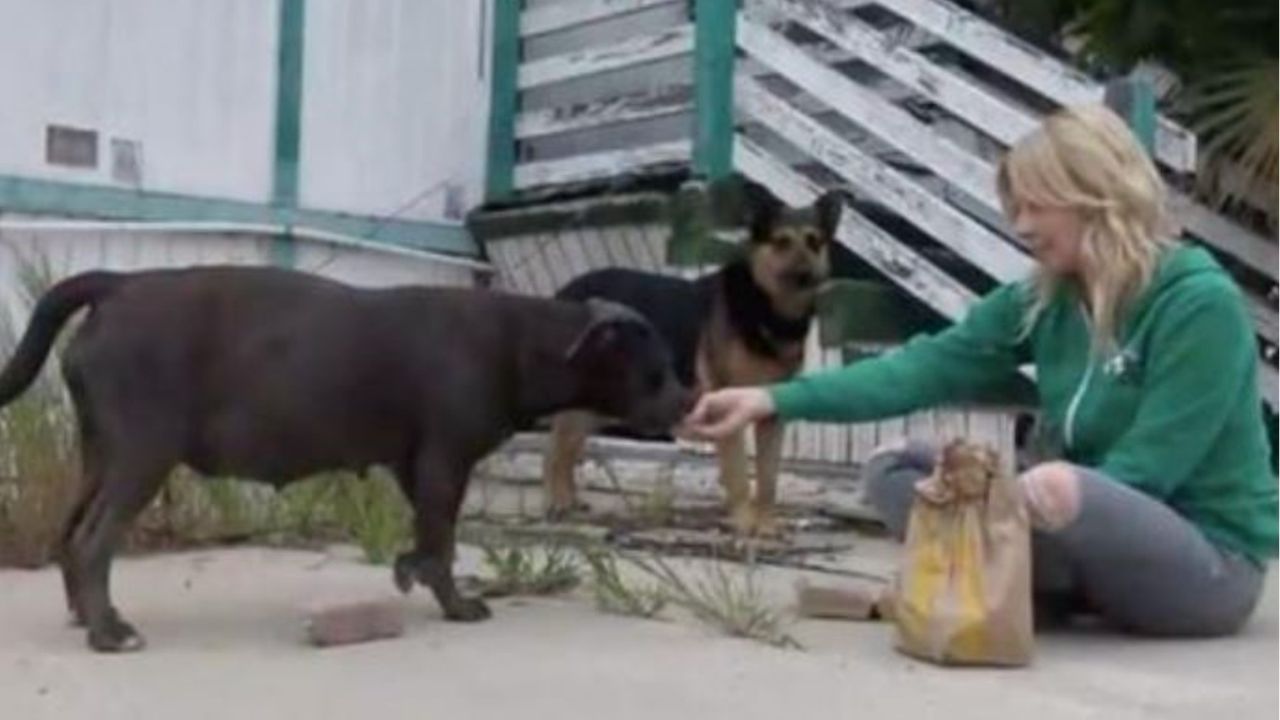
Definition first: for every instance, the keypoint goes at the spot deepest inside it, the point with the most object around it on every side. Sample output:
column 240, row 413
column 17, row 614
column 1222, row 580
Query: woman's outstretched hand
column 724, row 412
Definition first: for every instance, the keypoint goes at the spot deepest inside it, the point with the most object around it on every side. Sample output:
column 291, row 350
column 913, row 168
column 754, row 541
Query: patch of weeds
column 614, row 593
column 372, row 513
column 308, row 509
column 39, row 463
column 521, row 570
column 731, row 602
column 658, row 505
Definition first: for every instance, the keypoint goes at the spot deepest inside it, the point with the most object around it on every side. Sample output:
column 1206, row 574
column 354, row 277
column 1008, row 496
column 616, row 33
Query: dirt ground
column 225, row 641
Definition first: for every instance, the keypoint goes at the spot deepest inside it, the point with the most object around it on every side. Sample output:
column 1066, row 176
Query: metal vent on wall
column 71, row 147
column 126, row 161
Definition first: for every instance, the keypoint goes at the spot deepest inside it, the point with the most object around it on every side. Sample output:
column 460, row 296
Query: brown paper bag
column 963, row 592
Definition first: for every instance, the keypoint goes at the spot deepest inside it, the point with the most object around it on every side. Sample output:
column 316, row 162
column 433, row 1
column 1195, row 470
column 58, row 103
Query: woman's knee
column 1053, row 494
column 889, row 478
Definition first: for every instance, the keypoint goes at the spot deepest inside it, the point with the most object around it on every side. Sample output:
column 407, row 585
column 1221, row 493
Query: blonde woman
column 1161, row 513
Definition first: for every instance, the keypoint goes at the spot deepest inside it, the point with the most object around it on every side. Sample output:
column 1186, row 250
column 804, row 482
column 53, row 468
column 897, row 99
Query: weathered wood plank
column 1257, row 252
column 920, row 427
column 534, row 262
column 835, row 437
column 1264, row 317
column 514, row 275
column 972, row 240
column 993, row 116
column 970, row 34
column 637, row 238
column 670, row 100
column 964, row 98
column 1268, row 385
column 554, row 17
column 639, row 50
column 602, row 165
column 890, row 123
column 913, row 272
column 574, row 252
column 556, row 260
column 597, row 257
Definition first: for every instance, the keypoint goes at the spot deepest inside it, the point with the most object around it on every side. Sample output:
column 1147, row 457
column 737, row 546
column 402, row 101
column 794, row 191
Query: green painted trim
column 713, row 87
column 503, row 100
column 288, row 137
column 1134, row 99
column 63, row 199
column 284, row 250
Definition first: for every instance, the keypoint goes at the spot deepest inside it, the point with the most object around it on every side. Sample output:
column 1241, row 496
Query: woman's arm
column 977, row 358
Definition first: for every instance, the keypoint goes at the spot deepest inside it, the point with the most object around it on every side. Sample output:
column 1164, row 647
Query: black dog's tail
column 50, row 314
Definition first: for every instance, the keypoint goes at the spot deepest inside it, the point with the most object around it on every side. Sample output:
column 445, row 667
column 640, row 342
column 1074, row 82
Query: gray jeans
column 1127, row 557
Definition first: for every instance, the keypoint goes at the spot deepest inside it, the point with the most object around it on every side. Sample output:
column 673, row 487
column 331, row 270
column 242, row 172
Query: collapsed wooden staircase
column 906, row 103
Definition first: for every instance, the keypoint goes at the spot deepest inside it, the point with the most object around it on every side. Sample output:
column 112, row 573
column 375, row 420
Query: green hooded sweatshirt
column 1174, row 412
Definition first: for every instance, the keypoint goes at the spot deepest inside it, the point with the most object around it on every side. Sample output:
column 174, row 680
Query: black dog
column 744, row 324
column 277, row 375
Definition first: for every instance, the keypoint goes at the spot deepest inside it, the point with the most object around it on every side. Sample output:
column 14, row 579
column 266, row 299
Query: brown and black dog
column 277, row 375
column 744, row 324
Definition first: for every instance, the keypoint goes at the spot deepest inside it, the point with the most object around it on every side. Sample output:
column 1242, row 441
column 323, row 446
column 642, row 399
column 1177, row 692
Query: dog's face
column 626, row 372
column 789, row 247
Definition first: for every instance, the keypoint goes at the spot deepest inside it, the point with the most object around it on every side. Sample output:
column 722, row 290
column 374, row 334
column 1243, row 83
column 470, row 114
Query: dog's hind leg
column 89, row 485
column 70, row 579
column 127, row 485
column 569, row 433
column 439, row 487
column 732, row 454
column 768, row 456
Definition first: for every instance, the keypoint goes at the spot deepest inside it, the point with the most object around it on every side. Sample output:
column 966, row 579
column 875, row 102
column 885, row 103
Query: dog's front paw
column 742, row 520
column 562, row 511
column 405, row 572
column 468, row 610
column 768, row 526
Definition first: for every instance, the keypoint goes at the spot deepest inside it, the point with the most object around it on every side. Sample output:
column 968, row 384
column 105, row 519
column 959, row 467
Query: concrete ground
column 225, row 641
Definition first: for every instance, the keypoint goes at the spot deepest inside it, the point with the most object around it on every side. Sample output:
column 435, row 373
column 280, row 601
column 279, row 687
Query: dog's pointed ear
column 760, row 208
column 828, row 209
column 609, row 320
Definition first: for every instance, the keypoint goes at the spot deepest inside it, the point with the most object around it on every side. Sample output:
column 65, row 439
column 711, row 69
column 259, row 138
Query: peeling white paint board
column 972, row 240
column 574, row 252
column 1257, row 252
column 634, row 107
column 601, row 165
column 556, row 16
column 895, row 126
column 1002, row 51
column 590, row 242
column 640, row 50
column 532, row 263
column 964, row 98
column 557, row 263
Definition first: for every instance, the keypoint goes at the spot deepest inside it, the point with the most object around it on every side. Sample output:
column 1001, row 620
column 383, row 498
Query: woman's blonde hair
column 1085, row 158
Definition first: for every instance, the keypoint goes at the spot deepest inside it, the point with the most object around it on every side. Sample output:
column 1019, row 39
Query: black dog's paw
column 468, row 610
column 405, row 572
column 116, row 636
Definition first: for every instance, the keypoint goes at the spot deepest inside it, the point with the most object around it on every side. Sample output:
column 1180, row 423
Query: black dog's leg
column 90, row 466
column 438, row 490
column 66, row 561
column 126, row 487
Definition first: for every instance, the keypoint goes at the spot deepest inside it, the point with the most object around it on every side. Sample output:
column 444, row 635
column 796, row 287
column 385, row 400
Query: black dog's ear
column 828, row 209
column 760, row 209
column 609, row 322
